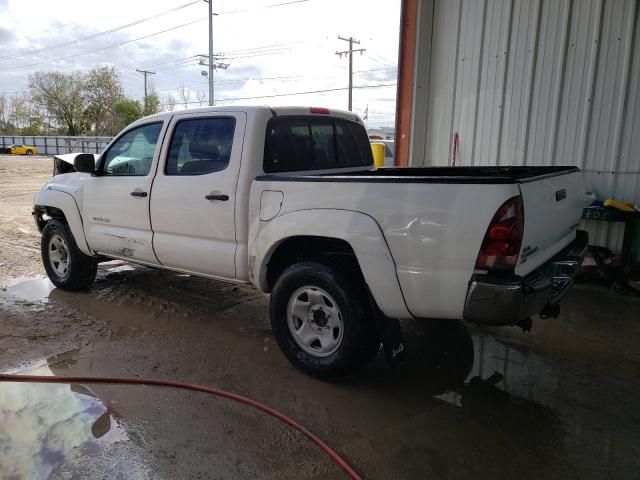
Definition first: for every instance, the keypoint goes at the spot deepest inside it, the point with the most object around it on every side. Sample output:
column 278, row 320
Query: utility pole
column 210, row 2
column 212, row 65
column 350, row 53
column 145, row 73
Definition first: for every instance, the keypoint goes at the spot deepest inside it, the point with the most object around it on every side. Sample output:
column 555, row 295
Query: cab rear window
column 301, row 143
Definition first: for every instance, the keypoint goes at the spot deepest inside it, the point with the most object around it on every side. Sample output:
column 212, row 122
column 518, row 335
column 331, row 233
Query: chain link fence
column 57, row 145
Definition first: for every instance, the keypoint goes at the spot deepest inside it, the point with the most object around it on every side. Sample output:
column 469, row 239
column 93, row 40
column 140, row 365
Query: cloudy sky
column 273, row 47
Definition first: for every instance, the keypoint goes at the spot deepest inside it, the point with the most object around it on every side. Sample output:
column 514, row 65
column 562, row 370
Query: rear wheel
column 321, row 321
column 66, row 266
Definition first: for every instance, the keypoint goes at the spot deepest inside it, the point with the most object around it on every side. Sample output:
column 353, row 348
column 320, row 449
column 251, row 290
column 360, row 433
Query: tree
column 152, row 102
column 6, row 126
column 184, row 94
column 102, row 89
column 169, row 103
column 127, row 110
column 63, row 97
column 202, row 98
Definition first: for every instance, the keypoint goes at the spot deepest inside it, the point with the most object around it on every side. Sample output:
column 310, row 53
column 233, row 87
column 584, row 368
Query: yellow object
column 22, row 150
column 378, row 154
column 625, row 207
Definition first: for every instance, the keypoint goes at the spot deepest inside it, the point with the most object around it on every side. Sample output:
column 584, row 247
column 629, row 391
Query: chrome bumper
column 495, row 300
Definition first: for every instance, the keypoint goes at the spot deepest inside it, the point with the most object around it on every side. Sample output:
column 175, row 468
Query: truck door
column 194, row 193
column 115, row 203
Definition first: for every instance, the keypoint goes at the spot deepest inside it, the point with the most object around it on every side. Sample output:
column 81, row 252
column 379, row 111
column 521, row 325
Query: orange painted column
column 406, row 67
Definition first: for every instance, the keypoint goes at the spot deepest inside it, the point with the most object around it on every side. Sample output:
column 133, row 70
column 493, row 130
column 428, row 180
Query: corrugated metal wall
column 533, row 82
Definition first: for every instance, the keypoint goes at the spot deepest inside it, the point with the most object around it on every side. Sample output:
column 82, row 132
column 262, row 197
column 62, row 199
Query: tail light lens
column 503, row 239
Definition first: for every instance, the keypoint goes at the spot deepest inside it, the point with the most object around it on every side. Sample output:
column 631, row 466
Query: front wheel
column 66, row 266
column 321, row 320
column 29, row 152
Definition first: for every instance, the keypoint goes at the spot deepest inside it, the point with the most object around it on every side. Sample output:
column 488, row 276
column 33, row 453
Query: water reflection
column 511, row 381
column 47, row 429
column 34, row 289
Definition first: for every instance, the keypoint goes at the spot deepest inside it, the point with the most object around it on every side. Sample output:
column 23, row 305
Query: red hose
column 198, row 388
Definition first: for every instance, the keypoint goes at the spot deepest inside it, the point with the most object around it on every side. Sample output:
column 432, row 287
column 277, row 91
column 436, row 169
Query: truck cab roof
column 275, row 111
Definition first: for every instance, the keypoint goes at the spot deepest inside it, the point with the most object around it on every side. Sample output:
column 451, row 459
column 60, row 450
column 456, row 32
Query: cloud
column 5, row 34
column 304, row 59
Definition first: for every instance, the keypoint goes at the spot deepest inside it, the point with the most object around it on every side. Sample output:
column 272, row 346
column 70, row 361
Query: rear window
column 314, row 143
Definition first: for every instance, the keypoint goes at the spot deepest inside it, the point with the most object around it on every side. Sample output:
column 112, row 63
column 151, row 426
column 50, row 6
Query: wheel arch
column 304, row 234
column 50, row 204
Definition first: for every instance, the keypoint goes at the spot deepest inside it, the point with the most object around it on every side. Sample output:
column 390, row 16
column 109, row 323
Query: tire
column 29, row 152
column 321, row 321
column 59, row 249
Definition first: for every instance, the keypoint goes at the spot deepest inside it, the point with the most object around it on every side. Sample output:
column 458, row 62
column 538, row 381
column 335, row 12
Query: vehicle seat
column 205, row 158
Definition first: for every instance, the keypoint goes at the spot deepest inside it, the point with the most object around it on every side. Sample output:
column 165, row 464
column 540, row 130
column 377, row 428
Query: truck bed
column 434, row 219
column 472, row 175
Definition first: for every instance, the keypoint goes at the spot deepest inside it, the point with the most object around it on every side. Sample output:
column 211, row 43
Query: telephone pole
column 145, row 73
column 350, row 53
column 210, row 2
column 211, row 63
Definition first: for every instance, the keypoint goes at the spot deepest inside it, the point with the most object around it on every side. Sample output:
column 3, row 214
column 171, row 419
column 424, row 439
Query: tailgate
column 552, row 210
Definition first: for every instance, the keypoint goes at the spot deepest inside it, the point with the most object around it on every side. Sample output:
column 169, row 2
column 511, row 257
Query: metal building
column 525, row 82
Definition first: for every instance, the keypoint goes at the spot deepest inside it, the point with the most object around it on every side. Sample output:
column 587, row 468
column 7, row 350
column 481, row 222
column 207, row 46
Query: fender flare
column 359, row 230
column 64, row 201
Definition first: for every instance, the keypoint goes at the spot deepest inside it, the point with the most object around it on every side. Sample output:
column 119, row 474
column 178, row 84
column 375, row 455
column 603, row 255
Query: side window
column 354, row 148
column 200, row 146
column 132, row 154
column 309, row 143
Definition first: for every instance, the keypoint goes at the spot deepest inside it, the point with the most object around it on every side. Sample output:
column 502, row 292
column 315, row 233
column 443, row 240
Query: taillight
column 503, row 239
column 320, row 110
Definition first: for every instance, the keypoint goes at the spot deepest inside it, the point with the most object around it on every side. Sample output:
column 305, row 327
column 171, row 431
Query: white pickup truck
column 287, row 199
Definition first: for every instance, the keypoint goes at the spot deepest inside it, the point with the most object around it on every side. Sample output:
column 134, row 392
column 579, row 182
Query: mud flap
column 392, row 341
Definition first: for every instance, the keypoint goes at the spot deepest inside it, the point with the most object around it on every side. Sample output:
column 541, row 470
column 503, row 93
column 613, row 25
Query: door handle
column 217, row 196
column 138, row 194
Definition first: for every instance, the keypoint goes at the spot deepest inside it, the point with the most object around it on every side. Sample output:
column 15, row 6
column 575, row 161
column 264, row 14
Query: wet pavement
column 558, row 402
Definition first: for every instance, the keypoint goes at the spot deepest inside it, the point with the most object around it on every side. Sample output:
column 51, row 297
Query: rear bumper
column 496, row 300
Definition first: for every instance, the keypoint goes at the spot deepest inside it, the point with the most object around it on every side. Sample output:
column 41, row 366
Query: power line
column 284, row 78
column 96, row 35
column 232, row 81
column 143, row 37
column 108, row 46
column 304, row 93
column 265, row 6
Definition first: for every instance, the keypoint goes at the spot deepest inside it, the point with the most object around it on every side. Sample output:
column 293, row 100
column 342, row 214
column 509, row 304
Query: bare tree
column 202, row 98
column 184, row 93
column 169, row 103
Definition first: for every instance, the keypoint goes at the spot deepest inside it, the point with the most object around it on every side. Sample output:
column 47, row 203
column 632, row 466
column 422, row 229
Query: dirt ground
column 20, row 178
column 558, row 402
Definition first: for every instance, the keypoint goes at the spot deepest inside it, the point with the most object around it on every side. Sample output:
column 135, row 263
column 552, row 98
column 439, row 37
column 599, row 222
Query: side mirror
column 85, row 163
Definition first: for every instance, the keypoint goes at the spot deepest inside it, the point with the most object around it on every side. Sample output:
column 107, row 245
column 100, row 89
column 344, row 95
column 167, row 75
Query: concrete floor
column 559, row 402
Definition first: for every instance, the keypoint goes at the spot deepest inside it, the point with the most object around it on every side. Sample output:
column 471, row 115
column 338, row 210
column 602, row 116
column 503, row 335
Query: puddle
column 35, row 289
column 50, row 428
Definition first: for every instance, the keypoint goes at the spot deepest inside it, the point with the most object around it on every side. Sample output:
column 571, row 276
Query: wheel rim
column 315, row 321
column 59, row 256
